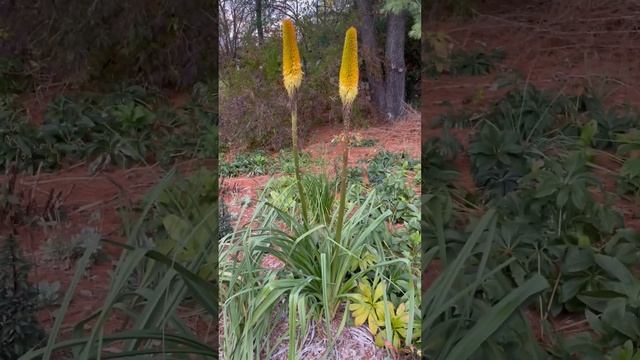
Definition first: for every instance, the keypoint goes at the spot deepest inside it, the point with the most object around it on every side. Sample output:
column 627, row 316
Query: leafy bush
column 397, row 195
column 384, row 161
column 189, row 203
column 251, row 164
column 517, row 132
column 460, row 324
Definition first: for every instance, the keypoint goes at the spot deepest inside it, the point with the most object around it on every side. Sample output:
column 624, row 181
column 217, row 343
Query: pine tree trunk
column 371, row 55
column 395, row 68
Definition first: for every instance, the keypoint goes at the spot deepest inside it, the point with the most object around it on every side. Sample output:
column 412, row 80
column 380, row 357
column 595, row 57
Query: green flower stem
column 294, row 140
column 346, row 114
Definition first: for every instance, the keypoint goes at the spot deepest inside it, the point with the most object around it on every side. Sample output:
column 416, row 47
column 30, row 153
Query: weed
column 62, row 249
column 384, row 161
column 48, row 293
column 467, row 63
column 285, row 161
column 355, row 140
column 476, row 62
column 250, row 164
column 19, row 327
column 225, row 221
column 397, row 196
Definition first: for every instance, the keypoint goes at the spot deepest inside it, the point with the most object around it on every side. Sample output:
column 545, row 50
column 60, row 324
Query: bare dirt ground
column 559, row 45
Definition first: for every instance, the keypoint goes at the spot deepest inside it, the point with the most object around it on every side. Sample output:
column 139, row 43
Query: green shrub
column 250, row 164
column 384, row 161
column 532, row 158
column 285, row 161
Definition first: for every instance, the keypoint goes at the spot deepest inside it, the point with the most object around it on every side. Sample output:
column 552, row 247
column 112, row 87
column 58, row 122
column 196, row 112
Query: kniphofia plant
column 348, row 91
column 292, row 75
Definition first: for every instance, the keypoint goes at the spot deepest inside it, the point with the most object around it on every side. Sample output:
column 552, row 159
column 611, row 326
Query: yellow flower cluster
column 349, row 68
column 291, row 67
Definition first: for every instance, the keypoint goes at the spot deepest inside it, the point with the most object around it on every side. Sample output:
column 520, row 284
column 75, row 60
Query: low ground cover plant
column 542, row 231
column 129, row 126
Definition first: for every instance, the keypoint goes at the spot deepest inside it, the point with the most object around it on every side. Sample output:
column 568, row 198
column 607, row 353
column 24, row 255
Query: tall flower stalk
column 348, row 90
column 292, row 74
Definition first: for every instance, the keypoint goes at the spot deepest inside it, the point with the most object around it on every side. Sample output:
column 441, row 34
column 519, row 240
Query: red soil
column 400, row 136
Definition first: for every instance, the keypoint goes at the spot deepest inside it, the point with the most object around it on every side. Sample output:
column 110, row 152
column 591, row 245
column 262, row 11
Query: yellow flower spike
column 291, row 67
column 348, row 90
column 349, row 67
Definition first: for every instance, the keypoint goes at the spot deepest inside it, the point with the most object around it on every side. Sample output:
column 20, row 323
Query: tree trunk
column 394, row 64
column 259, row 21
column 370, row 53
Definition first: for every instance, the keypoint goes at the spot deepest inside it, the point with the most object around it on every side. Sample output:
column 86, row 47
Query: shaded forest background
column 158, row 43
